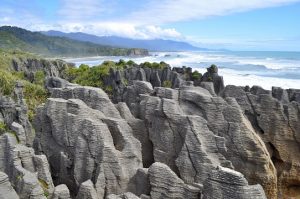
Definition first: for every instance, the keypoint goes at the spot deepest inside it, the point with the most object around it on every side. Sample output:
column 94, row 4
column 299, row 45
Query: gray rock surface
column 87, row 191
column 32, row 65
column 84, row 143
column 275, row 121
column 6, row 190
column 212, row 76
column 228, row 184
column 14, row 114
column 28, row 173
column 99, row 149
column 61, row 192
column 127, row 195
column 193, row 132
column 166, row 184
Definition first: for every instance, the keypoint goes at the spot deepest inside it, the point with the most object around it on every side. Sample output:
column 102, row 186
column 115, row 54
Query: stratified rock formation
column 229, row 184
column 88, row 141
column 166, row 184
column 28, row 173
column 6, row 190
column 275, row 117
column 194, row 140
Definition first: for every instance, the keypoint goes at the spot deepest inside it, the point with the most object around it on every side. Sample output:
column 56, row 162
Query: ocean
column 241, row 68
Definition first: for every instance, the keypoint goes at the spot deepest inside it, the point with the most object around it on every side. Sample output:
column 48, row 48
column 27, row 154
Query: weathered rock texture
column 193, row 132
column 275, row 117
column 28, row 173
column 30, row 66
column 119, row 80
column 88, row 142
column 229, row 184
column 6, row 190
column 13, row 113
column 190, row 142
column 166, row 184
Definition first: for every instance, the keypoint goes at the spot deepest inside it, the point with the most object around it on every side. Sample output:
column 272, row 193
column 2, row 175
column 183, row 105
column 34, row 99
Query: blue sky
column 231, row 24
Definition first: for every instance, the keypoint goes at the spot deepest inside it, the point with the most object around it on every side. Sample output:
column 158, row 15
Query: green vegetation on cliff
column 13, row 38
column 34, row 92
column 94, row 76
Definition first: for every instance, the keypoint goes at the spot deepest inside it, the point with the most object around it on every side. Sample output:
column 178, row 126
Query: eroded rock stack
column 191, row 142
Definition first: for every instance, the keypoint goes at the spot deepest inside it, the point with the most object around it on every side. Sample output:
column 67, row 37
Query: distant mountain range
column 14, row 38
column 151, row 45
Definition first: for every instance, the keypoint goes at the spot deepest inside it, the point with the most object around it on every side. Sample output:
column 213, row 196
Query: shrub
column 121, row 62
column 167, row 84
column 34, row 95
column 7, row 82
column 131, row 63
column 196, row 75
column 39, row 78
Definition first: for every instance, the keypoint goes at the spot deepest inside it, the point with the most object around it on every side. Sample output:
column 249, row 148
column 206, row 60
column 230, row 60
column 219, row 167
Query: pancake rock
column 275, row 117
column 228, row 184
column 85, row 138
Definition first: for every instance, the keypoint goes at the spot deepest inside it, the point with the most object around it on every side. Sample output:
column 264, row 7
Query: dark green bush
column 196, row 75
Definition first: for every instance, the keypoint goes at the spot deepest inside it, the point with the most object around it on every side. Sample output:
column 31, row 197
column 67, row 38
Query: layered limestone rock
column 28, row 173
column 120, row 79
column 127, row 195
column 61, row 192
column 228, row 184
column 275, row 118
column 32, row 65
column 6, row 190
column 166, row 184
column 14, row 114
column 193, row 132
column 86, row 139
column 212, row 76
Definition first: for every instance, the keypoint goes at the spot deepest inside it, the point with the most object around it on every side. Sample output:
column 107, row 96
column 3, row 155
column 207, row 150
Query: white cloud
column 112, row 28
column 165, row 11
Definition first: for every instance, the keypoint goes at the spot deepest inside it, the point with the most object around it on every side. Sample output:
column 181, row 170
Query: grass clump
column 45, row 187
column 3, row 127
column 7, row 82
column 167, row 84
column 34, row 94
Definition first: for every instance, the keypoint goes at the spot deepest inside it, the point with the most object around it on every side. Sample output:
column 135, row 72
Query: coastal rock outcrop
column 85, row 138
column 275, row 118
column 187, row 141
column 193, row 132
column 13, row 113
column 32, row 65
column 212, row 76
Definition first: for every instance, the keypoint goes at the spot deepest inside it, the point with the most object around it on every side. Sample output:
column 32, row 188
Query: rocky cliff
column 195, row 140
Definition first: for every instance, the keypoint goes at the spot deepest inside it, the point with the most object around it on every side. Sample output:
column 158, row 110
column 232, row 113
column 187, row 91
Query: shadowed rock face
column 193, row 132
column 276, row 120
